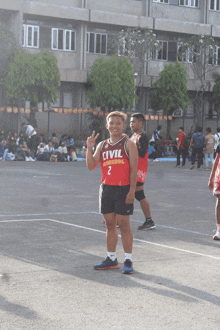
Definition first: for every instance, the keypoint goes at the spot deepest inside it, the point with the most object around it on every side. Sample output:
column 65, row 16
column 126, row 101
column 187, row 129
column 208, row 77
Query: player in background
column 119, row 159
column 214, row 184
column 140, row 138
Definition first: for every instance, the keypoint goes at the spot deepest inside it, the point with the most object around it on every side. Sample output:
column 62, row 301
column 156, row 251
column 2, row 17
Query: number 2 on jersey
column 109, row 170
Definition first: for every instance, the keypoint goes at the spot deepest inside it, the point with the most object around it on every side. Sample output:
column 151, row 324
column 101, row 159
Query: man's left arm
column 143, row 143
column 133, row 160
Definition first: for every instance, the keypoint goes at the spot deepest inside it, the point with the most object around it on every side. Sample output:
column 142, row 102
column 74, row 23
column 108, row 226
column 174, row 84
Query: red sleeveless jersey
column 142, row 161
column 115, row 164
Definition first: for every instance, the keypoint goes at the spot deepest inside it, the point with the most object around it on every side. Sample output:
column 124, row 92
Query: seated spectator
column 41, row 152
column 48, row 150
column 9, row 153
column 152, row 154
column 2, row 149
column 71, row 148
column 54, row 138
column 63, row 152
column 27, row 152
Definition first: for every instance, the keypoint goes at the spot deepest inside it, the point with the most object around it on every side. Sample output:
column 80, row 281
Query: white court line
column 25, row 220
column 140, row 240
column 104, row 232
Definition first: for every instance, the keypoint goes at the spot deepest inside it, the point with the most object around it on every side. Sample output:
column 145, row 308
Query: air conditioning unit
column 178, row 113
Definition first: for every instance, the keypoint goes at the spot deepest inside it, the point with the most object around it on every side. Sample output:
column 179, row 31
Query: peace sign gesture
column 91, row 140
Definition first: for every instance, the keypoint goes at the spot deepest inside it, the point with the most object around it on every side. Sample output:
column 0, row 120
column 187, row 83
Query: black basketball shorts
column 112, row 199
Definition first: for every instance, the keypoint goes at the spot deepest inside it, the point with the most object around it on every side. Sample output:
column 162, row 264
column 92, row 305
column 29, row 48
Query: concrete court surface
column 51, row 235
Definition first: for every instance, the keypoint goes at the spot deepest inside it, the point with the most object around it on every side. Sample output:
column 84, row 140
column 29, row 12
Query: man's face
column 180, row 131
column 115, row 125
column 135, row 124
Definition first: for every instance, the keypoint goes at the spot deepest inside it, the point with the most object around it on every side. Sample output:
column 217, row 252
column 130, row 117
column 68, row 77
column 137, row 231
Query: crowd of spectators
column 29, row 146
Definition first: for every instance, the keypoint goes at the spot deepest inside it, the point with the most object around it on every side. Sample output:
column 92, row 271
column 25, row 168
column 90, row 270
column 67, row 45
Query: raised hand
column 91, row 140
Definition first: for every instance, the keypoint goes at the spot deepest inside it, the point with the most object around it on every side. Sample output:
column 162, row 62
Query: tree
column 33, row 78
column 200, row 52
column 216, row 94
column 111, row 84
column 170, row 91
column 137, row 44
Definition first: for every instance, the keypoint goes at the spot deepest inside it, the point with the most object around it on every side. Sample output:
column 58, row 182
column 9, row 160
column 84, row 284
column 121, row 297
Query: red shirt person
column 181, row 150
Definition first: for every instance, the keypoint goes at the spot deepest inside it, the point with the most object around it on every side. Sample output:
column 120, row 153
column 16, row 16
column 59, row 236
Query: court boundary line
column 134, row 239
column 94, row 212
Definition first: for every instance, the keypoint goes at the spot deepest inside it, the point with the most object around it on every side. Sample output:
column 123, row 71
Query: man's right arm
column 93, row 159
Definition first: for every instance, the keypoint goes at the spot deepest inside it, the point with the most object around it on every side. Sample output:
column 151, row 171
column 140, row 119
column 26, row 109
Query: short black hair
column 218, row 129
column 208, row 129
column 199, row 129
column 138, row 116
column 159, row 127
column 182, row 128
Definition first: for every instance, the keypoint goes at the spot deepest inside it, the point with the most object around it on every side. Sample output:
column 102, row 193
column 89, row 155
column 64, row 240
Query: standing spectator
column 139, row 137
column 217, row 136
column 209, row 147
column 156, row 134
column 71, row 148
column 181, row 149
column 197, row 143
column 32, row 137
column 214, row 184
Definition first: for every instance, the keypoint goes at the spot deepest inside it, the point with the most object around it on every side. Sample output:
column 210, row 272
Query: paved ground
column 51, row 236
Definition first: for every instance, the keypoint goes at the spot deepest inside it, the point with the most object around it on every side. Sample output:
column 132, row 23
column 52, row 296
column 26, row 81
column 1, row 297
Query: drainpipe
column 84, row 3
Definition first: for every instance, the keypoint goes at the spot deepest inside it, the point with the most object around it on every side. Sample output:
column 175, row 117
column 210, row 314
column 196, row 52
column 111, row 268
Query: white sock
column 112, row 255
column 128, row 256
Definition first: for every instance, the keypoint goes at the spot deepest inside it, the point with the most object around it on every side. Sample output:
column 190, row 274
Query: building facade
column 78, row 31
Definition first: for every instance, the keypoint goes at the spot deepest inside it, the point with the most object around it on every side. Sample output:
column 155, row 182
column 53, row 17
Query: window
column 184, row 56
column 96, row 43
column 214, row 55
column 189, row 3
column 162, row 1
column 161, row 53
column 63, row 39
column 30, row 36
column 215, row 4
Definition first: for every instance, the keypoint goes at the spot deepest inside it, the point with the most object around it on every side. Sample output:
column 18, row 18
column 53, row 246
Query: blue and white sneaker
column 128, row 267
column 107, row 264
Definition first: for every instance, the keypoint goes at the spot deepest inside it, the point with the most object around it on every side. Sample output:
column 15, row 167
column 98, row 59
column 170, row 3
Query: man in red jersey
column 119, row 159
column 181, row 148
column 141, row 140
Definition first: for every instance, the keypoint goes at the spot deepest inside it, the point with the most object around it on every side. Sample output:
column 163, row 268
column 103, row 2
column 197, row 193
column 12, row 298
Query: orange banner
column 2, row 109
column 9, row 109
column 151, row 117
column 80, row 110
column 165, row 117
column 147, row 117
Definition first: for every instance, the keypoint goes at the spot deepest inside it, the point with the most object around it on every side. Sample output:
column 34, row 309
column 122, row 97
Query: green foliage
column 111, row 84
column 32, row 77
column 8, row 45
column 170, row 91
column 216, row 94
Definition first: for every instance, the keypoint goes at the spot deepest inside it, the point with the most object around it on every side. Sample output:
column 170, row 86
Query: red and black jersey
column 115, row 165
column 141, row 141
